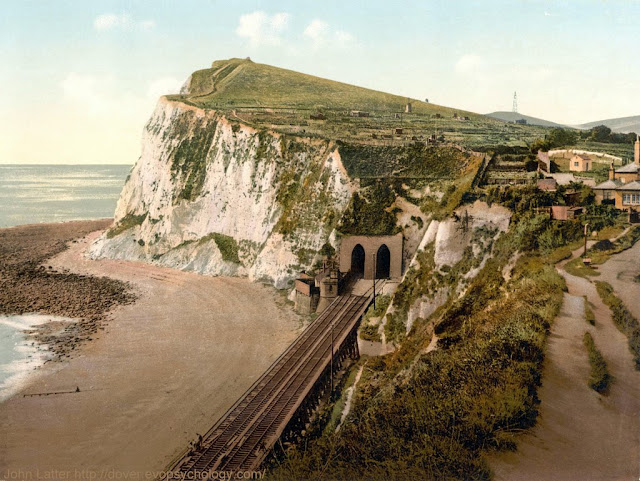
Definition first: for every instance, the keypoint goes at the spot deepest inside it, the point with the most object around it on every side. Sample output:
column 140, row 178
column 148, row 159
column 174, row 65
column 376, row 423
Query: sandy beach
column 165, row 367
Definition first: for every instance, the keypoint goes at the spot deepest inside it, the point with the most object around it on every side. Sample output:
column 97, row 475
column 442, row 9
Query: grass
column 577, row 267
column 599, row 378
column 622, row 318
column 369, row 332
column 600, row 254
column 127, row 222
column 227, row 246
column 588, row 312
column 601, row 251
column 283, row 100
column 610, row 232
column 431, row 416
column 241, row 82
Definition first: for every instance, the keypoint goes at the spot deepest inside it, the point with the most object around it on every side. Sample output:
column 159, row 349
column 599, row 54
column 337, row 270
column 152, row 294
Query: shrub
column 127, row 222
column 599, row 377
column 588, row 312
column 622, row 318
column 227, row 246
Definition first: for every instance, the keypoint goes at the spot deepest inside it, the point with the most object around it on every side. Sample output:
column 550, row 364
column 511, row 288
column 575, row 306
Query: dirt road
column 580, row 434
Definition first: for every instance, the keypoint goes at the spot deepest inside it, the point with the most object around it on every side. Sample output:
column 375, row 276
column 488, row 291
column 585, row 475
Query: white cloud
column 163, row 86
column 261, row 28
column 469, row 63
column 124, row 21
column 108, row 21
column 320, row 33
column 317, row 31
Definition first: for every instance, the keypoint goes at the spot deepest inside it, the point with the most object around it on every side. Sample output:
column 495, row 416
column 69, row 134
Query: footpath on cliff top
column 580, row 434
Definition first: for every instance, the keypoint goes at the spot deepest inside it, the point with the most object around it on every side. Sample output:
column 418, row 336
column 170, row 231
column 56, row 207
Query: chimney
column 612, row 172
column 636, row 151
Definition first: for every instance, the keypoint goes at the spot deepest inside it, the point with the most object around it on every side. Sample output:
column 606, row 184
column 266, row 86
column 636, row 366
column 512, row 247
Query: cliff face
column 218, row 197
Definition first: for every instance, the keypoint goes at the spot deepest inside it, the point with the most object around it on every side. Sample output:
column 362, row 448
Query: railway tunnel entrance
column 378, row 256
column 357, row 260
column 383, row 262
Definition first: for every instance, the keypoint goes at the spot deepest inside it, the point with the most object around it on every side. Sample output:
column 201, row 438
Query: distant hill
column 513, row 116
column 622, row 125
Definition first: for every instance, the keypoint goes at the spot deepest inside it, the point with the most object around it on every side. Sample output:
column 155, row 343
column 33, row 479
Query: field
column 284, row 101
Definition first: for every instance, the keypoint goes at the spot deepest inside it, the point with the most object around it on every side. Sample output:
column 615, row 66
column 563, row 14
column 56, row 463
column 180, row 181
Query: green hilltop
column 304, row 105
column 244, row 83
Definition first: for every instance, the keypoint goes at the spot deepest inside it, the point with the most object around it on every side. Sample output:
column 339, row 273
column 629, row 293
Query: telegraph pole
column 584, row 254
column 374, row 280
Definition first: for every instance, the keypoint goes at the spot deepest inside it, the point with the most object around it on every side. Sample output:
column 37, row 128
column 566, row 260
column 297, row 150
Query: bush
column 127, row 222
column 599, row 377
column 622, row 318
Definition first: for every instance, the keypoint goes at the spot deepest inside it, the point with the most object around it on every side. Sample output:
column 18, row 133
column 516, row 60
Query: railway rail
column 280, row 402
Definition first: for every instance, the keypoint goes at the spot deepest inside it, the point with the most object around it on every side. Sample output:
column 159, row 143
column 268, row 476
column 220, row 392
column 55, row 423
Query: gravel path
column 581, row 435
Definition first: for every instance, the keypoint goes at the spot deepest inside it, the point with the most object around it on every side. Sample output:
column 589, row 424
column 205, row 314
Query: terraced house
column 623, row 186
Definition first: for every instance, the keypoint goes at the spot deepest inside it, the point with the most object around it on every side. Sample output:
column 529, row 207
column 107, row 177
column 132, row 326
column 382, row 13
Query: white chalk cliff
column 216, row 196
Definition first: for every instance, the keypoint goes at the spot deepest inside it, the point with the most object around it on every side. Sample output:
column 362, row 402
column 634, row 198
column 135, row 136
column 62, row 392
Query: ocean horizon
column 45, row 193
column 33, row 194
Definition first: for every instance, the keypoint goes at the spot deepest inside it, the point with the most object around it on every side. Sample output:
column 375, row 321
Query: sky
column 79, row 78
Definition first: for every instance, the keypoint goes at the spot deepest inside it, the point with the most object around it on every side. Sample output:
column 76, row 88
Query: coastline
column 29, row 284
column 152, row 372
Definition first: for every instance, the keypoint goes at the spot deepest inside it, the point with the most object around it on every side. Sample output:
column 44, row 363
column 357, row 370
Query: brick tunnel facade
column 366, row 255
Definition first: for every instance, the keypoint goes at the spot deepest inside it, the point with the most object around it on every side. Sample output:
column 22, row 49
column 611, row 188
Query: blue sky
column 79, row 78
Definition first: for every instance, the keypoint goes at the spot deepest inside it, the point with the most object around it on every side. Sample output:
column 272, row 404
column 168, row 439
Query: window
column 631, row 199
column 576, row 164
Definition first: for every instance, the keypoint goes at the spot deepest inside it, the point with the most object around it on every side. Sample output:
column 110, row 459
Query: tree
column 562, row 137
column 601, row 133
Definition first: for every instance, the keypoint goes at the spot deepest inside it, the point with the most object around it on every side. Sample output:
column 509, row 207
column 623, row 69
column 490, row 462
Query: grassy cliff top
column 241, row 82
column 283, row 100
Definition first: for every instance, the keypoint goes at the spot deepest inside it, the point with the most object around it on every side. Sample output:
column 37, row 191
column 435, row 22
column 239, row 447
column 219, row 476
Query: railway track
column 244, row 436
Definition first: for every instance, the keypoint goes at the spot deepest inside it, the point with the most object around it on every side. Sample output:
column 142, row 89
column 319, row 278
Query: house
column 627, row 196
column 565, row 212
column 606, row 191
column 627, row 173
column 622, row 187
column 580, row 163
column 359, row 113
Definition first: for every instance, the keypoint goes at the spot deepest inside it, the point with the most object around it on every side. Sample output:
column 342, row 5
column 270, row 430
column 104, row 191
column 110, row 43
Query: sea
column 32, row 194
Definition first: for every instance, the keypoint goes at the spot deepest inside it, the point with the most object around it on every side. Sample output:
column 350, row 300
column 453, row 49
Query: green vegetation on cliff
column 420, row 415
column 127, row 222
column 414, row 161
